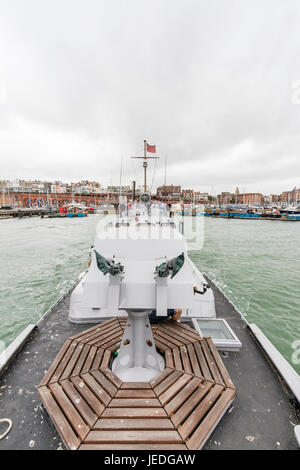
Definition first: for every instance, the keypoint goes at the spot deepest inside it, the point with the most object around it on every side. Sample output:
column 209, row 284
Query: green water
column 255, row 263
column 39, row 260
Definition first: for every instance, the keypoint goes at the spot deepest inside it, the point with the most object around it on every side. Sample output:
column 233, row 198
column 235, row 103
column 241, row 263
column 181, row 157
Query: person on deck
column 172, row 313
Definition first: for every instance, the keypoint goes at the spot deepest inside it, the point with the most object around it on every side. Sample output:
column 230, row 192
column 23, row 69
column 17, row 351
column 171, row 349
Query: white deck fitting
column 8, row 354
column 288, row 373
column 138, row 360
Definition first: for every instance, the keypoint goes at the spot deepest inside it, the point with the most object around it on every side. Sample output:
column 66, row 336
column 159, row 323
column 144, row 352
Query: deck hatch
column 218, row 329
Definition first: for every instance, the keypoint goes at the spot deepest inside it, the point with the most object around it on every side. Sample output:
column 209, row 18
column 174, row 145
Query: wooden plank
column 115, row 346
column 211, row 363
column 181, row 333
column 139, row 393
column 122, row 325
column 83, row 333
column 96, row 388
column 181, row 328
column 100, row 337
column 88, row 395
column 174, row 335
column 202, row 362
column 109, row 387
column 167, row 382
column 210, row 420
column 81, row 360
column 177, row 359
column 159, row 378
column 168, row 336
column 169, row 358
column 194, row 361
column 133, row 424
column 105, row 359
column 187, row 428
column 55, row 363
column 179, row 416
column 97, row 359
column 124, row 437
column 158, row 412
column 159, row 339
column 97, row 332
column 132, row 446
column 99, row 340
column 112, row 377
column 183, row 395
column 135, row 385
column 71, row 362
column 89, row 360
column 63, row 363
column 185, row 360
column 134, row 402
column 225, row 376
column 110, row 339
column 79, row 426
column 160, row 346
column 101, row 330
column 80, row 404
column 122, row 320
column 71, row 440
column 174, row 389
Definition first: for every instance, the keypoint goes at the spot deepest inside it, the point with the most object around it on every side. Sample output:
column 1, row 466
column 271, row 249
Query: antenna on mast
column 165, row 170
column 145, row 164
column 120, row 176
column 151, row 149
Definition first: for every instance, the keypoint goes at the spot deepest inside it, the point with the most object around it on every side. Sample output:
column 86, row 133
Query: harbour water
column 255, row 263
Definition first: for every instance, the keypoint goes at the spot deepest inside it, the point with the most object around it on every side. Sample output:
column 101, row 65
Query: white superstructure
column 140, row 265
column 140, row 241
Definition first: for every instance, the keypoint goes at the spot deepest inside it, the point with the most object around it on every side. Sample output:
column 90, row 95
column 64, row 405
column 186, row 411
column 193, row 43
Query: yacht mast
column 145, row 158
column 145, row 164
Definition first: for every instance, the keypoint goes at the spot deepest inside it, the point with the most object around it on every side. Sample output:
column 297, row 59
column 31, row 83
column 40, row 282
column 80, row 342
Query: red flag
column 151, row 148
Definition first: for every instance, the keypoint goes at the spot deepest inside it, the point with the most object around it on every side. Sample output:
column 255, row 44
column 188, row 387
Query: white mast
column 145, row 164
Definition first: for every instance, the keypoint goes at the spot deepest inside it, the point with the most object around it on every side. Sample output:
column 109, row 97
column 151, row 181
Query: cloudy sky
column 215, row 84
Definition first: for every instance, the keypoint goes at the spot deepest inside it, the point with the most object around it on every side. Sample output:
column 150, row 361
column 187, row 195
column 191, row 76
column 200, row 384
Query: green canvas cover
column 174, row 265
column 107, row 266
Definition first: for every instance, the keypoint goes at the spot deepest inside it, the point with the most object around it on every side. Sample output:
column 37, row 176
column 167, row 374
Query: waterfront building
column 290, row 197
column 187, row 195
column 169, row 192
column 275, row 198
column 201, row 198
column 225, row 198
column 250, row 198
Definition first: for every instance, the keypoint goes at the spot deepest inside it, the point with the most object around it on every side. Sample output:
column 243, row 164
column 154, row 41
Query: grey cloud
column 87, row 81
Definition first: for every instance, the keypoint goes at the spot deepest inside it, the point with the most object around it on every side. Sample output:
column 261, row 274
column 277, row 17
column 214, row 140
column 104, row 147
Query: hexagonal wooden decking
column 93, row 409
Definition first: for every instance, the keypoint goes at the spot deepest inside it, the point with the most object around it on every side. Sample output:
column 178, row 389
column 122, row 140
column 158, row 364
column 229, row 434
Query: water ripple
column 256, row 264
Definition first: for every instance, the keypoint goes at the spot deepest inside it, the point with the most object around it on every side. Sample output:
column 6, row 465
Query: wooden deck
column 93, row 409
